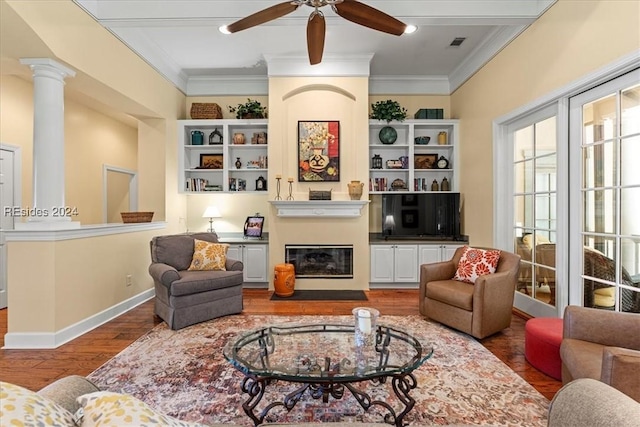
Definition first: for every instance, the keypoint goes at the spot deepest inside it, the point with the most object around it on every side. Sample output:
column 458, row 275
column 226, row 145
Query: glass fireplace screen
column 321, row 261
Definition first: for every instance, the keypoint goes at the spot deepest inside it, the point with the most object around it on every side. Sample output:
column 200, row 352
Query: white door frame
column 133, row 188
column 502, row 238
column 16, row 182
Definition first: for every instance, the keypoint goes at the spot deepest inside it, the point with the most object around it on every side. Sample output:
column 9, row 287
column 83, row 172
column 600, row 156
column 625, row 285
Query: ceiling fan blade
column 265, row 15
column 360, row 13
column 315, row 37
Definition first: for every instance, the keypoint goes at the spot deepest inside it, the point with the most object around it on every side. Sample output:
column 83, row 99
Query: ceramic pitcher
column 238, row 138
column 355, row 189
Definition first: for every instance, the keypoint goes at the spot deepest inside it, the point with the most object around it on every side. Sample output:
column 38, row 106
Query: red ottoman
column 542, row 338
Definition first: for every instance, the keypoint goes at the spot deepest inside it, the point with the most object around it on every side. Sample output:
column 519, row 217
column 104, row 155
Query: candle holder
column 290, row 197
column 365, row 325
column 278, row 188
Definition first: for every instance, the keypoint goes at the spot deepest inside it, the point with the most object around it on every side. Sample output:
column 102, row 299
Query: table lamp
column 211, row 212
column 389, row 224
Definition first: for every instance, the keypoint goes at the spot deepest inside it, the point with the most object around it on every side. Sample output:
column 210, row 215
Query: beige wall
column 68, row 281
column 91, row 141
column 118, row 195
column 572, row 39
column 317, row 98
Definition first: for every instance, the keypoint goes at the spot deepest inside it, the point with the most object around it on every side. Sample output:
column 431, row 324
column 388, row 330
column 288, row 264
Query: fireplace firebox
column 321, row 261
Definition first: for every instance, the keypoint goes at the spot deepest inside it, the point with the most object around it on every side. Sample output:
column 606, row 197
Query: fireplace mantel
column 319, row 208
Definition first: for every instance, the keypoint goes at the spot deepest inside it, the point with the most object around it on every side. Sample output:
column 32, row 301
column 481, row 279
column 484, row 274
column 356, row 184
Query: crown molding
column 482, row 54
column 148, row 51
column 227, row 85
column 409, row 85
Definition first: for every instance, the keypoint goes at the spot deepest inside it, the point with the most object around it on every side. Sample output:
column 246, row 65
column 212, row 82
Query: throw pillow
column 104, row 408
column 21, row 407
column 475, row 263
column 208, row 256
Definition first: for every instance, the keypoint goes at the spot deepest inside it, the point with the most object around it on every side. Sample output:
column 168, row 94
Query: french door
column 604, row 231
column 533, row 193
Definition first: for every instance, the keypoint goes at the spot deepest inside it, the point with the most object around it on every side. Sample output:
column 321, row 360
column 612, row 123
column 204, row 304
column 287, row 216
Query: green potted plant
column 388, row 110
column 251, row 109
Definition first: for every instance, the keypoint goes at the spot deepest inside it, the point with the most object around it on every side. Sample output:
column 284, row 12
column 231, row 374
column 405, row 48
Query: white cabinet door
column 255, row 263
column 429, row 254
column 382, row 263
column 235, row 252
column 448, row 251
column 406, row 263
column 436, row 253
column 254, row 257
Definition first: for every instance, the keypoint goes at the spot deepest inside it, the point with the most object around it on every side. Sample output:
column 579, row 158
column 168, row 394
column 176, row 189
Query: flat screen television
column 421, row 215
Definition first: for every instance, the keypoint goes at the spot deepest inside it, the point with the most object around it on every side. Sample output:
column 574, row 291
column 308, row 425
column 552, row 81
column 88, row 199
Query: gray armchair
column 186, row 297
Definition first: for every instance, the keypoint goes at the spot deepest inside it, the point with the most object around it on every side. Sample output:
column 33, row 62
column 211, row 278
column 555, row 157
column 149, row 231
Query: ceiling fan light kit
column 351, row 10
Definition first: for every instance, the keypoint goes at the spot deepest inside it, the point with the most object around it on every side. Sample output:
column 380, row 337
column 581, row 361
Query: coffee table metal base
column 402, row 385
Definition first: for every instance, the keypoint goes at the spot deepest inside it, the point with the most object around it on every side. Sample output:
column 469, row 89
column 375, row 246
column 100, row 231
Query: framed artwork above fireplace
column 318, row 151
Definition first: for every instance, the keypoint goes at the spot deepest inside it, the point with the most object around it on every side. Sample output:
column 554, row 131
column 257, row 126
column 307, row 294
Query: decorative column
column 49, row 211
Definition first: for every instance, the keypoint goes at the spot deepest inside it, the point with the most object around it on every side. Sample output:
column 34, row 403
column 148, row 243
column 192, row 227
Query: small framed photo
column 409, row 200
column 211, row 161
column 253, row 226
column 410, row 218
column 425, row 161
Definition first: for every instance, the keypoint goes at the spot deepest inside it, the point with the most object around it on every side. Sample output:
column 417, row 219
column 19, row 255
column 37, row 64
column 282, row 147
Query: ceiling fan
column 351, row 10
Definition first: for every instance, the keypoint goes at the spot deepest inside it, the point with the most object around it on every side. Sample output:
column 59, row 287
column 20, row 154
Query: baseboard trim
column 48, row 340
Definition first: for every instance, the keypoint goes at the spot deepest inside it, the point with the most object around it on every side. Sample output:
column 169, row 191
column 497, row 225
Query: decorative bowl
column 422, row 140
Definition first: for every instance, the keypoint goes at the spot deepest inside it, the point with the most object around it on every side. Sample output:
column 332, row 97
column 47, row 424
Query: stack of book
column 196, row 184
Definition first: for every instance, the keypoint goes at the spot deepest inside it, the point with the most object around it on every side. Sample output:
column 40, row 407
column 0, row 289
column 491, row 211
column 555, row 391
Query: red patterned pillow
column 476, row 262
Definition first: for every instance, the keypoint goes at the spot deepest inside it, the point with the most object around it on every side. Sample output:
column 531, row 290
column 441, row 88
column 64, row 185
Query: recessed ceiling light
column 223, row 29
column 410, row 29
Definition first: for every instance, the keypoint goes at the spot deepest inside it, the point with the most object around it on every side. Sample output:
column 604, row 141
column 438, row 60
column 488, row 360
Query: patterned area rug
column 184, row 374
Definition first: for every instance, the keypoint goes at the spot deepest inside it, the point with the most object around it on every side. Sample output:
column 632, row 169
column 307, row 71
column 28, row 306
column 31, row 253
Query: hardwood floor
column 34, row 369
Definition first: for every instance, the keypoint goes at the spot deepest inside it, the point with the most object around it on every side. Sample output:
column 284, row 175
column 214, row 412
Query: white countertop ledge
column 82, row 232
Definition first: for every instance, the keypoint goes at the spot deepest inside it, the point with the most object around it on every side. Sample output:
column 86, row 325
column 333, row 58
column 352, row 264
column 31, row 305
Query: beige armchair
column 603, row 345
column 479, row 309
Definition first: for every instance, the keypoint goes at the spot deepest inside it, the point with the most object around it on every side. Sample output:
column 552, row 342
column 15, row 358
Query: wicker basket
column 133, row 217
column 200, row 110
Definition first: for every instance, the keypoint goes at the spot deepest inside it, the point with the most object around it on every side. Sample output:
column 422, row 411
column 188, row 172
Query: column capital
column 48, row 65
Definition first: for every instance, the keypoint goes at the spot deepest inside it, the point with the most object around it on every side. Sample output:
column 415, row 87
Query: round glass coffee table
column 326, row 359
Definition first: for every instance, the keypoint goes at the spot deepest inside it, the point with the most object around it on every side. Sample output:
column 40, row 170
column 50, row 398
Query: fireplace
column 321, row 261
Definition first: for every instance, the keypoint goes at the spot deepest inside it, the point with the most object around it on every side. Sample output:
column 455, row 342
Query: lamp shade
column 211, row 212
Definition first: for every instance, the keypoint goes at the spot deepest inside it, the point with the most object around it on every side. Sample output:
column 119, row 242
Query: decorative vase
column 434, row 185
column 388, row 135
column 318, row 162
column 238, row 163
column 442, row 138
column 355, row 189
column 284, row 279
column 445, row 186
column 238, row 138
